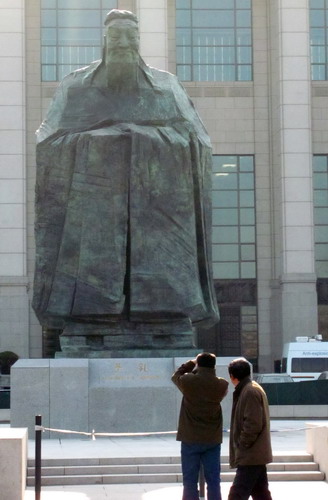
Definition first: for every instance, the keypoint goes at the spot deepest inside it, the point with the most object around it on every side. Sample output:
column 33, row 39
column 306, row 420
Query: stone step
column 163, row 478
column 296, row 476
column 277, row 458
column 128, row 470
column 71, row 470
column 110, row 461
column 292, row 466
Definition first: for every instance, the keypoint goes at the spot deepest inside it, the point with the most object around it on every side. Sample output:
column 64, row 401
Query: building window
column 320, row 185
column 233, row 200
column 71, row 35
column 318, row 38
column 214, row 40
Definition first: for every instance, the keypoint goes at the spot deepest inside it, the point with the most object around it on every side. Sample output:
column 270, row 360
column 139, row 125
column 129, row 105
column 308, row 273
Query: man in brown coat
column 200, row 424
column 250, row 443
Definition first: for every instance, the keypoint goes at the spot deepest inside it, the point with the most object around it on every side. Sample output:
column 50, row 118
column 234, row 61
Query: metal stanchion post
column 201, row 482
column 38, row 422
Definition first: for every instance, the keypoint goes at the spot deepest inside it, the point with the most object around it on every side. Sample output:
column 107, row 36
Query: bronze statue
column 123, row 218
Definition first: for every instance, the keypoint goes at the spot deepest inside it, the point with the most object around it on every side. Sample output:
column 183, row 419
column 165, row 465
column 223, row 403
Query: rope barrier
column 94, row 434
column 39, row 428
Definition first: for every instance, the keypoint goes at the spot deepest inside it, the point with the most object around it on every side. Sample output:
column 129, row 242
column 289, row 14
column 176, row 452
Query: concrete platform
column 288, row 436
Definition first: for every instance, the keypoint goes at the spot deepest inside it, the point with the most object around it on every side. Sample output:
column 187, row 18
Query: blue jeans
column 192, row 456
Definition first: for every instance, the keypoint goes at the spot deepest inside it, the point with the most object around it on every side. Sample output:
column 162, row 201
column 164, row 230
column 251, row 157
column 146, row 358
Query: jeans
column 250, row 480
column 192, row 456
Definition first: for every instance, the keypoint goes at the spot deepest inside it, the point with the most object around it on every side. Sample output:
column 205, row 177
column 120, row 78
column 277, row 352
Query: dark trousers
column 192, row 456
column 250, row 480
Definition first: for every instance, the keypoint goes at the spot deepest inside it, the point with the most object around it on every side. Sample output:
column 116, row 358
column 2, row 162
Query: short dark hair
column 206, row 360
column 120, row 14
column 239, row 368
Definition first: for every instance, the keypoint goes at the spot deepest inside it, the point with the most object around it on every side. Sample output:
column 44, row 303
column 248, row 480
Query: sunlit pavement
column 279, row 490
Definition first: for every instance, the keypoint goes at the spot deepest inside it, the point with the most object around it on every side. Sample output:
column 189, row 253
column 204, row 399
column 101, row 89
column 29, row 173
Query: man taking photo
column 200, row 424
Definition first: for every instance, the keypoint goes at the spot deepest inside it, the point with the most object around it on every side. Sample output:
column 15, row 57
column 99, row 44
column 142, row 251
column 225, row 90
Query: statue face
column 122, row 41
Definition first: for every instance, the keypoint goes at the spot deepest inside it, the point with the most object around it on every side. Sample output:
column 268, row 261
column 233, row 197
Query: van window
column 314, row 365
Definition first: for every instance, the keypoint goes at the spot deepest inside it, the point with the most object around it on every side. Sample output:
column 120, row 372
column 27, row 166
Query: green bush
column 7, row 359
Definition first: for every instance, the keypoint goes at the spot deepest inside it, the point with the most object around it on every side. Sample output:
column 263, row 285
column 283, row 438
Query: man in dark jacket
column 250, row 443
column 200, row 424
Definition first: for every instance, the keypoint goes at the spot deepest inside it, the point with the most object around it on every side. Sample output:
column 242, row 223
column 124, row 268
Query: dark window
column 320, row 198
column 236, row 333
column 311, row 365
column 229, row 337
column 283, row 365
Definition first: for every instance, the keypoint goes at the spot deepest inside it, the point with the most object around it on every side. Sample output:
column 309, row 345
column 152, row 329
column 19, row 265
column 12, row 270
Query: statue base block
column 108, row 395
column 123, row 340
column 129, row 353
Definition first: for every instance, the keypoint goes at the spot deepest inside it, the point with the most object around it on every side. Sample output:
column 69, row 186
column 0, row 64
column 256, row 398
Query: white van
column 305, row 359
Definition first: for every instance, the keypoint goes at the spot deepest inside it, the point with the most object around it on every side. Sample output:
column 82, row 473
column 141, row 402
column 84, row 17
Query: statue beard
column 122, row 75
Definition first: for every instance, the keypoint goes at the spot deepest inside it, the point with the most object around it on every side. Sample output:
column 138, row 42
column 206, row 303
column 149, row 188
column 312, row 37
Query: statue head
column 122, row 37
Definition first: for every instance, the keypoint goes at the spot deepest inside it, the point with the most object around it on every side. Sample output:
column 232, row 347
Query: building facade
column 256, row 71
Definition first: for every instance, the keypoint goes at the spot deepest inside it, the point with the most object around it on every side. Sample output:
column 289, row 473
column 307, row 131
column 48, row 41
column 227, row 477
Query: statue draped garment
column 123, row 212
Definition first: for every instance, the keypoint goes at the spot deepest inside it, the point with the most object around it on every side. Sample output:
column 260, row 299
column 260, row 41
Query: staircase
column 76, row 471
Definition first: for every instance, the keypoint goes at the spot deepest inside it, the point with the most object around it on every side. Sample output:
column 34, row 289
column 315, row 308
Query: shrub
column 7, row 359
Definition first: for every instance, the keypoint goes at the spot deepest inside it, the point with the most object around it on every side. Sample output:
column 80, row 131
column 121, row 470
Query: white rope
column 94, row 434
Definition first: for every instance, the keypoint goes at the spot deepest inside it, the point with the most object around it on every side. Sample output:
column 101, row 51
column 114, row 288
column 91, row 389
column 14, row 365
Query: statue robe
column 123, row 212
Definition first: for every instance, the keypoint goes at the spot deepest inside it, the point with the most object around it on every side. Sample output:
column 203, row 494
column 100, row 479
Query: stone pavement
column 279, row 490
column 288, row 436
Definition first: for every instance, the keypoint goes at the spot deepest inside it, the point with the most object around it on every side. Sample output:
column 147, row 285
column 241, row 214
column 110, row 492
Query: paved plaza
column 288, row 436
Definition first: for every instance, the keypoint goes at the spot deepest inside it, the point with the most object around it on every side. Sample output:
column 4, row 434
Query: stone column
column 13, row 294
column 294, row 270
column 153, row 32
column 262, row 178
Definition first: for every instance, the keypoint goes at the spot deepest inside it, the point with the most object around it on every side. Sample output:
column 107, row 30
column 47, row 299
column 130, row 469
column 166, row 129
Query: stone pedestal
column 154, row 352
column 13, row 463
column 107, row 395
column 123, row 340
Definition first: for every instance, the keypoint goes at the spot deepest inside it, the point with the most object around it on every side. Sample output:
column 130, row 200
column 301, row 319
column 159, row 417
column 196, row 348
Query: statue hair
column 120, row 14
